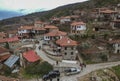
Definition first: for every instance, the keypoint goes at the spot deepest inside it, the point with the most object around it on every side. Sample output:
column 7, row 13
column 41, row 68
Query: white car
column 72, row 71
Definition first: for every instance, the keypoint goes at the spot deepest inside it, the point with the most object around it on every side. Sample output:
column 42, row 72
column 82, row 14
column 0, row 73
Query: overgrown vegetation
column 37, row 70
column 116, row 69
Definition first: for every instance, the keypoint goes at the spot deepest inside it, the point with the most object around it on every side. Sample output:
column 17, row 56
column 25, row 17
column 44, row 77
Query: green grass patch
column 116, row 69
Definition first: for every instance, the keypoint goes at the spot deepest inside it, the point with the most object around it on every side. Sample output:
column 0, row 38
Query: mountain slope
column 60, row 11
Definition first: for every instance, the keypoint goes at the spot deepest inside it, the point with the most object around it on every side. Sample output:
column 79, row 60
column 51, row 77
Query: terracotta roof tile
column 78, row 23
column 2, row 50
column 31, row 56
column 68, row 17
column 12, row 39
column 39, row 22
column 39, row 28
column 65, row 41
column 26, row 28
column 56, row 33
column 50, row 27
column 2, row 40
column 108, row 11
column 4, row 57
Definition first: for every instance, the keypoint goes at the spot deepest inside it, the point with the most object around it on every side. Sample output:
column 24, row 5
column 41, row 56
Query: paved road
column 88, row 69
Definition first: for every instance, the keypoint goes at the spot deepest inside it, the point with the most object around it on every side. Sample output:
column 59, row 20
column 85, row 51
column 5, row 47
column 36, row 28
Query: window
column 65, row 48
column 65, row 53
column 71, row 53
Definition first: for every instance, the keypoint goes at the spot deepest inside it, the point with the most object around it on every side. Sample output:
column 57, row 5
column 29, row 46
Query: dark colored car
column 54, row 74
column 51, row 74
column 46, row 77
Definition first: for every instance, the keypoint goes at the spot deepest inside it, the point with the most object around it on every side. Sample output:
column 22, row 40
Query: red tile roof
column 65, row 41
column 78, row 23
column 2, row 50
column 38, row 22
column 12, row 39
column 26, row 28
column 4, row 57
column 39, row 28
column 66, row 17
column 50, row 27
column 2, row 40
column 56, row 33
column 31, row 56
column 108, row 11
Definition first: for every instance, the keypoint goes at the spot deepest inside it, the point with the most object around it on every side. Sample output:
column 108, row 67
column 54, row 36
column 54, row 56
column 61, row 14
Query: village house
column 115, row 24
column 2, row 42
column 39, row 30
column 29, row 57
column 78, row 27
column 2, row 35
column 50, row 28
column 67, row 48
column 39, row 24
column 4, row 54
column 79, row 12
column 115, row 45
column 65, row 20
column 54, row 35
column 55, row 20
column 12, row 33
column 25, row 31
column 12, row 42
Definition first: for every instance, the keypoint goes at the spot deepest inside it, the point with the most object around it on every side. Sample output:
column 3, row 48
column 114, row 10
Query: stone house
column 115, row 45
column 39, row 24
column 65, row 20
column 2, row 35
column 54, row 35
column 50, row 28
column 78, row 28
column 25, row 31
column 67, row 48
column 12, row 33
column 4, row 54
column 55, row 20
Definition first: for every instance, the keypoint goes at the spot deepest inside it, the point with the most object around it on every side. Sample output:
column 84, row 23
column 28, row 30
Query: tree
column 7, row 45
column 38, row 70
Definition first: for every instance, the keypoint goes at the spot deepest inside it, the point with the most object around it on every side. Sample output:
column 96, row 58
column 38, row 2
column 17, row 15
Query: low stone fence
column 54, row 57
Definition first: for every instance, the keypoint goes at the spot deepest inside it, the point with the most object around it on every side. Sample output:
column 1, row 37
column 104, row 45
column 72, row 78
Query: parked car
column 54, row 73
column 71, row 71
column 51, row 74
column 46, row 77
